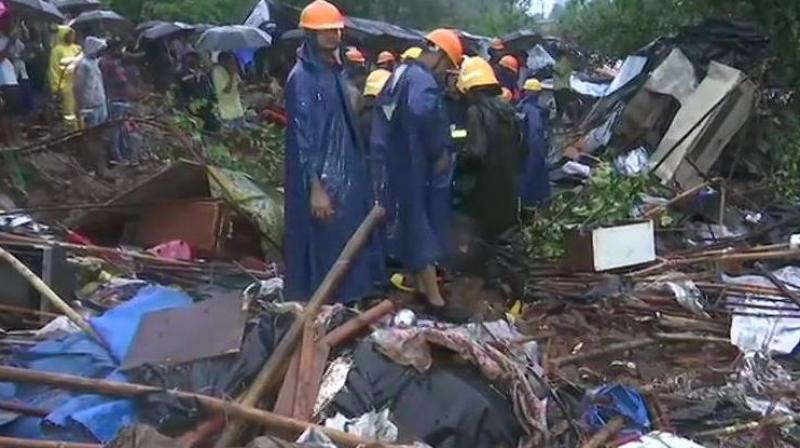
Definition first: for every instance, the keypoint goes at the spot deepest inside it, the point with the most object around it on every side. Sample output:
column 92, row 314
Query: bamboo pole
column 272, row 372
column 631, row 345
column 605, row 434
column 50, row 295
column 656, row 211
column 215, row 405
column 14, row 442
column 782, row 420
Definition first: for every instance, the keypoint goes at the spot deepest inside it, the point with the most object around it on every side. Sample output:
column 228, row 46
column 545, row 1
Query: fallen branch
column 631, row 345
column 605, row 434
column 215, row 405
column 781, row 420
column 50, row 295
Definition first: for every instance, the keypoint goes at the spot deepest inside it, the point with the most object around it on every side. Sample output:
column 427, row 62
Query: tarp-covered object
column 222, row 376
column 262, row 206
column 445, row 407
column 76, row 415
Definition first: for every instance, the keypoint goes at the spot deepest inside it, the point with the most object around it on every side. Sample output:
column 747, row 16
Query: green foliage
column 782, row 136
column 257, row 152
column 615, row 28
column 494, row 17
column 608, row 198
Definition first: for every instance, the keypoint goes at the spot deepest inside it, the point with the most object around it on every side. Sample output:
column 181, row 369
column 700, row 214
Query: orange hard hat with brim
column 449, row 42
column 321, row 15
column 385, row 57
column 510, row 62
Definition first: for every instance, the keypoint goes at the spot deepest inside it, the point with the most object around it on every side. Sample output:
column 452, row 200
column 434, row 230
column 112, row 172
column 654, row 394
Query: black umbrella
column 167, row 29
column 149, row 24
column 233, row 37
column 77, row 6
column 101, row 16
column 522, row 40
column 36, row 9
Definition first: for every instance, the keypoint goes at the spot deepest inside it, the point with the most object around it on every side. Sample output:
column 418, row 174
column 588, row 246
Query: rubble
column 655, row 302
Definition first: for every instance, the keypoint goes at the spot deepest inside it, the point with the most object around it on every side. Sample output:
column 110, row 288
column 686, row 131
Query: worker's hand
column 443, row 163
column 321, row 206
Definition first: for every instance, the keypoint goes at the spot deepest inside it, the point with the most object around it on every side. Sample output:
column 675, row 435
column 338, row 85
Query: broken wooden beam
column 215, row 405
column 272, row 372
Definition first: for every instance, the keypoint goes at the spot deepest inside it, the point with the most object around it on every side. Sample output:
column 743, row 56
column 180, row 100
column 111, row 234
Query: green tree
column 615, row 28
column 494, row 17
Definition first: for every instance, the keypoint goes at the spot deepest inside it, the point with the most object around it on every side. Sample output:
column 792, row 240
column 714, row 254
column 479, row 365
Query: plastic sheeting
column 539, row 58
column 513, row 371
column 631, row 68
column 444, row 407
column 659, row 439
column 770, row 332
column 263, row 207
column 74, row 414
column 603, row 404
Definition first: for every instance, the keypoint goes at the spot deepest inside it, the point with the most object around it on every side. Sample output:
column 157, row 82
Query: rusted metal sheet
column 207, row 329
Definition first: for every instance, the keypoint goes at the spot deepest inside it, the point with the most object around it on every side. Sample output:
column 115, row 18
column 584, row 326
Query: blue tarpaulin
column 78, row 416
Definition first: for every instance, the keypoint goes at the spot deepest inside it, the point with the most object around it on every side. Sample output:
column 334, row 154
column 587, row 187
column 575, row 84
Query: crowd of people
column 417, row 134
column 442, row 140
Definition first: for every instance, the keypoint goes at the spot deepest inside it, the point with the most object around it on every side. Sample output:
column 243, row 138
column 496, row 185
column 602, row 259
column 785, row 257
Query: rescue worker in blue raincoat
column 535, row 188
column 411, row 128
column 328, row 190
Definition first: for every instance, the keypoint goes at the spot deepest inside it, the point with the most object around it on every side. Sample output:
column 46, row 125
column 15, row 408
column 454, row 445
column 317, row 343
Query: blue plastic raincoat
column 411, row 130
column 535, row 176
column 322, row 142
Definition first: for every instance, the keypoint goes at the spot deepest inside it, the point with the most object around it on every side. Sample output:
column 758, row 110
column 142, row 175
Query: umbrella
column 166, row 29
column 148, row 24
column 77, row 6
column 233, row 37
column 97, row 17
column 37, row 9
column 522, row 40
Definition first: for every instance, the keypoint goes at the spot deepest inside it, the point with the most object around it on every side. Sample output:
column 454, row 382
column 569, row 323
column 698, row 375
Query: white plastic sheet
column 771, row 331
column 630, row 69
column 658, row 439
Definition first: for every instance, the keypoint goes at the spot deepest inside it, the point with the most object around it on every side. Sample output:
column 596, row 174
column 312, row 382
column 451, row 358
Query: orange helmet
column 510, row 62
column 385, row 57
column 447, row 41
column 321, row 15
column 498, row 44
column 353, row 54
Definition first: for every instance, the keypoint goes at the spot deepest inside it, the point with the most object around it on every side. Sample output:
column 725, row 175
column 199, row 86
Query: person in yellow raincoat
column 62, row 65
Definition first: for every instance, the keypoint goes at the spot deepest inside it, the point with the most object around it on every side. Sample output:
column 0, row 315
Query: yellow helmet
column 475, row 72
column 533, row 85
column 375, row 82
column 412, row 53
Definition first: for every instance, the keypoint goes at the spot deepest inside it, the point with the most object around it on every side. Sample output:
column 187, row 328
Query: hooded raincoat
column 322, row 142
column 535, row 188
column 63, row 58
column 411, row 131
column 90, row 92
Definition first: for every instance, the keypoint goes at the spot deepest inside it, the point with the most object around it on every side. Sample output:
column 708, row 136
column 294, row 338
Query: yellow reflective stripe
column 458, row 133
